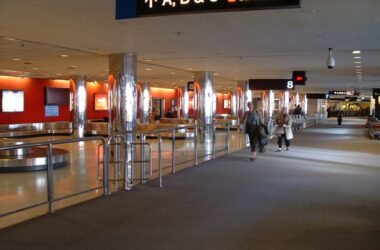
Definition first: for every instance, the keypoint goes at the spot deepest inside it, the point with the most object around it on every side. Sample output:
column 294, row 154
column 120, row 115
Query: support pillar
column 80, row 107
column 185, row 102
column 144, row 103
column 122, row 68
column 206, row 111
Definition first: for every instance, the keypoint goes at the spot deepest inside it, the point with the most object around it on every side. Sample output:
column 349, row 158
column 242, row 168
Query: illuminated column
column 271, row 103
column 286, row 101
column 145, row 101
column 185, row 102
column 206, row 111
column 124, row 93
column 80, row 107
column 234, row 103
column 247, row 95
column 306, row 104
column 297, row 99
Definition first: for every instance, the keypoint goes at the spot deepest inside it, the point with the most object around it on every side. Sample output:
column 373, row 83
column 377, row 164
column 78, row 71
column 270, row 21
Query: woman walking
column 251, row 126
column 283, row 130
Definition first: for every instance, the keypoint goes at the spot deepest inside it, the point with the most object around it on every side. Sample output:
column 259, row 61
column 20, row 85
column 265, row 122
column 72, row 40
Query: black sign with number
column 271, row 84
column 125, row 8
column 190, row 86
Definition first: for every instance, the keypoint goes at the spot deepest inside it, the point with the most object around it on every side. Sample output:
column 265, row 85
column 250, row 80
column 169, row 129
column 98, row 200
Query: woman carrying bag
column 251, row 126
column 283, row 129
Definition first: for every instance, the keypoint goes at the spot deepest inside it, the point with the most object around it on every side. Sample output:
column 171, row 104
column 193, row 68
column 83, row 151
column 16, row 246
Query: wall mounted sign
column 271, row 84
column 12, row 101
column 101, row 101
column 51, row 111
column 139, row 8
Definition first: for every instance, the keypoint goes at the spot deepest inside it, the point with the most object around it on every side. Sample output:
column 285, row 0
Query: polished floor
column 322, row 194
column 29, row 189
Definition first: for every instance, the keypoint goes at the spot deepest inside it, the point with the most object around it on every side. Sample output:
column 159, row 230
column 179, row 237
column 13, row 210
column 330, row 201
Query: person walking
column 283, row 129
column 251, row 126
column 339, row 117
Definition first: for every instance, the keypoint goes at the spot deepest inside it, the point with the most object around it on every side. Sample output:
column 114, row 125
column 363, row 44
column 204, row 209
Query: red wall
column 220, row 103
column 92, row 89
column 163, row 93
column 34, row 97
column 34, row 100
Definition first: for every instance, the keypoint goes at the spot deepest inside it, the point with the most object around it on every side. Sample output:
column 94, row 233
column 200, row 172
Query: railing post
column 127, row 156
column 196, row 144
column 213, row 141
column 173, row 151
column 160, row 159
column 50, row 177
column 143, row 167
column 106, row 178
column 228, row 139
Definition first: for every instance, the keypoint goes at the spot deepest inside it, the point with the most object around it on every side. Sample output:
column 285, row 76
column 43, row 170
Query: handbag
column 279, row 130
column 289, row 133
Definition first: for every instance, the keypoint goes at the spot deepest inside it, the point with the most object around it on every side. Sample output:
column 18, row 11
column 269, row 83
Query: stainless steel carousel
column 29, row 159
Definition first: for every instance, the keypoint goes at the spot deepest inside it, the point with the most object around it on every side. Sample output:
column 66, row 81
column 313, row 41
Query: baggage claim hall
column 123, row 124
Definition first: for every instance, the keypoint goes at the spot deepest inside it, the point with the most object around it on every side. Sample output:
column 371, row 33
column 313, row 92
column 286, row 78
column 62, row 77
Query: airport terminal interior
column 125, row 124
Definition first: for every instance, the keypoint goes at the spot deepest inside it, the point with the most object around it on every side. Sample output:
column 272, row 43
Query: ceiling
column 234, row 45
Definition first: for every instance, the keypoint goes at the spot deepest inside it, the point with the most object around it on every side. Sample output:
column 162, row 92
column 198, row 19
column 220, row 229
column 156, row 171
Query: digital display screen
column 126, row 8
column 12, row 101
column 101, row 102
column 57, row 96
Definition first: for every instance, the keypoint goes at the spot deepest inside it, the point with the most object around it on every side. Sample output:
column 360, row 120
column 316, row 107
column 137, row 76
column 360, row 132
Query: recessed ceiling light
column 35, row 68
column 358, row 66
column 72, row 72
column 173, row 83
column 147, row 60
column 357, row 57
column 189, row 68
column 16, row 59
column 356, row 52
column 216, row 74
column 358, row 62
column 148, row 69
column 58, row 74
column 172, row 73
column 64, row 55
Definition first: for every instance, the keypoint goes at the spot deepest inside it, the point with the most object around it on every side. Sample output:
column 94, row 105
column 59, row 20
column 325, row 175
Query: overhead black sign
column 271, row 84
column 316, row 96
column 376, row 93
column 344, row 93
column 190, row 86
column 124, row 8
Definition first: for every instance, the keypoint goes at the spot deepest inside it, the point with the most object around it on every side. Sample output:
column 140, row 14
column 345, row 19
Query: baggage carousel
column 29, row 159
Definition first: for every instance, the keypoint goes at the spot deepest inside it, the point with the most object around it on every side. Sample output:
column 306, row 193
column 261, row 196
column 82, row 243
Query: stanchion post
column 160, row 159
column 50, row 178
column 173, row 151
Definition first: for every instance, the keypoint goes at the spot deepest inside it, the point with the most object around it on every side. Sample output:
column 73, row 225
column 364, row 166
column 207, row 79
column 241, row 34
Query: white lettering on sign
column 150, row 2
column 170, row 2
column 290, row 85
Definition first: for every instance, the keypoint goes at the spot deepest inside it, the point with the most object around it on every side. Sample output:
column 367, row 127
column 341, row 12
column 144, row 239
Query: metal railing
column 50, row 177
column 128, row 161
